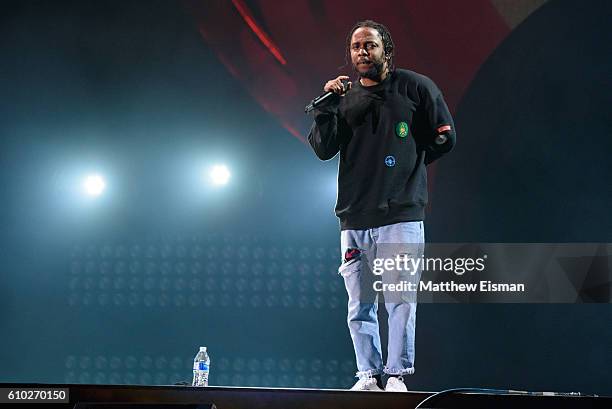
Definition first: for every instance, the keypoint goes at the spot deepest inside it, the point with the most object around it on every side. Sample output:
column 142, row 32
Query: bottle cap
column 203, row 349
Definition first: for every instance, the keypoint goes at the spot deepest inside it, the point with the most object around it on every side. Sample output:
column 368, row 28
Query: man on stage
column 387, row 128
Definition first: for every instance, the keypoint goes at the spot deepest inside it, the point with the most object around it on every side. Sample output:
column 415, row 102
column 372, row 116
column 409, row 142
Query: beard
column 374, row 72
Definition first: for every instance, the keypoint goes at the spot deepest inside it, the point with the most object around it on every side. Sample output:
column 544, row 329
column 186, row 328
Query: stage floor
column 130, row 396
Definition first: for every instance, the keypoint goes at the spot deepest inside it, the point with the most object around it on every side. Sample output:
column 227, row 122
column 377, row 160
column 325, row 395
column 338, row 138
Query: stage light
column 71, row 362
column 149, row 300
column 238, row 365
column 284, row 380
column 269, row 380
column 84, row 377
column 114, row 378
column 272, row 301
column 129, row 378
column 223, row 364
column 115, row 362
column 118, row 300
column 145, row 378
column 332, row 366
column 163, row 300
column 222, row 379
column 194, row 300
column 303, row 301
column 100, row 378
column 219, row 175
column 334, row 302
column 161, row 379
column 161, row 362
column 146, row 362
column 103, row 299
column 94, row 185
column 299, row 381
column 300, row 365
column 287, row 301
column 256, row 301
column 85, row 362
column 101, row 362
column 134, row 300
column 179, row 300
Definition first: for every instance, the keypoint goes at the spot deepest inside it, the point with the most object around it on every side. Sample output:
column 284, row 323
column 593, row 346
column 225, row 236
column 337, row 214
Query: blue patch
column 390, row 161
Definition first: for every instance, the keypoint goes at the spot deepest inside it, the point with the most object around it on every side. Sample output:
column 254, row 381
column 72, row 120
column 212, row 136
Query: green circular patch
column 401, row 129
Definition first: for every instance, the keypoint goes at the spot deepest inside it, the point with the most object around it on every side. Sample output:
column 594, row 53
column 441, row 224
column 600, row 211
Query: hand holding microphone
column 339, row 86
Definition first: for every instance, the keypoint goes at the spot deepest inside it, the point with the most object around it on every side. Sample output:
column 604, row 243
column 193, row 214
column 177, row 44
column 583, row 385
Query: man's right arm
column 328, row 131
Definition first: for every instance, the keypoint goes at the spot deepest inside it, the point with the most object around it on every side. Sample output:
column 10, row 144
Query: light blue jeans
column 360, row 249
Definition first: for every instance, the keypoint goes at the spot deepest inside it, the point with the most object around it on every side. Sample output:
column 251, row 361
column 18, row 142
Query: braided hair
column 387, row 41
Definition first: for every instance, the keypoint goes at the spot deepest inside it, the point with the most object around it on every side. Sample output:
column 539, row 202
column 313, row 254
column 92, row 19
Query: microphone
column 322, row 98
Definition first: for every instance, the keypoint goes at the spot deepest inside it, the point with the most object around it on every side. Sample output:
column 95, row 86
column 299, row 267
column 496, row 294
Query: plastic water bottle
column 201, row 368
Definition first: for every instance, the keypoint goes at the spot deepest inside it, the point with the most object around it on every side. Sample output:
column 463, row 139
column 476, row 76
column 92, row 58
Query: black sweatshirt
column 385, row 135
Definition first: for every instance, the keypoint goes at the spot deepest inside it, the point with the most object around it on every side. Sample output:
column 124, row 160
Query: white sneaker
column 396, row 384
column 366, row 384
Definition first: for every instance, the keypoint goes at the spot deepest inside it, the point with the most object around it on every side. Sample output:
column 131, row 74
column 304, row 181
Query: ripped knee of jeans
column 351, row 253
column 351, row 261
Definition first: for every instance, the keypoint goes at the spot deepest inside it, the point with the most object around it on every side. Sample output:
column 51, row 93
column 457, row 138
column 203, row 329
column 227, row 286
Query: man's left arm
column 440, row 124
